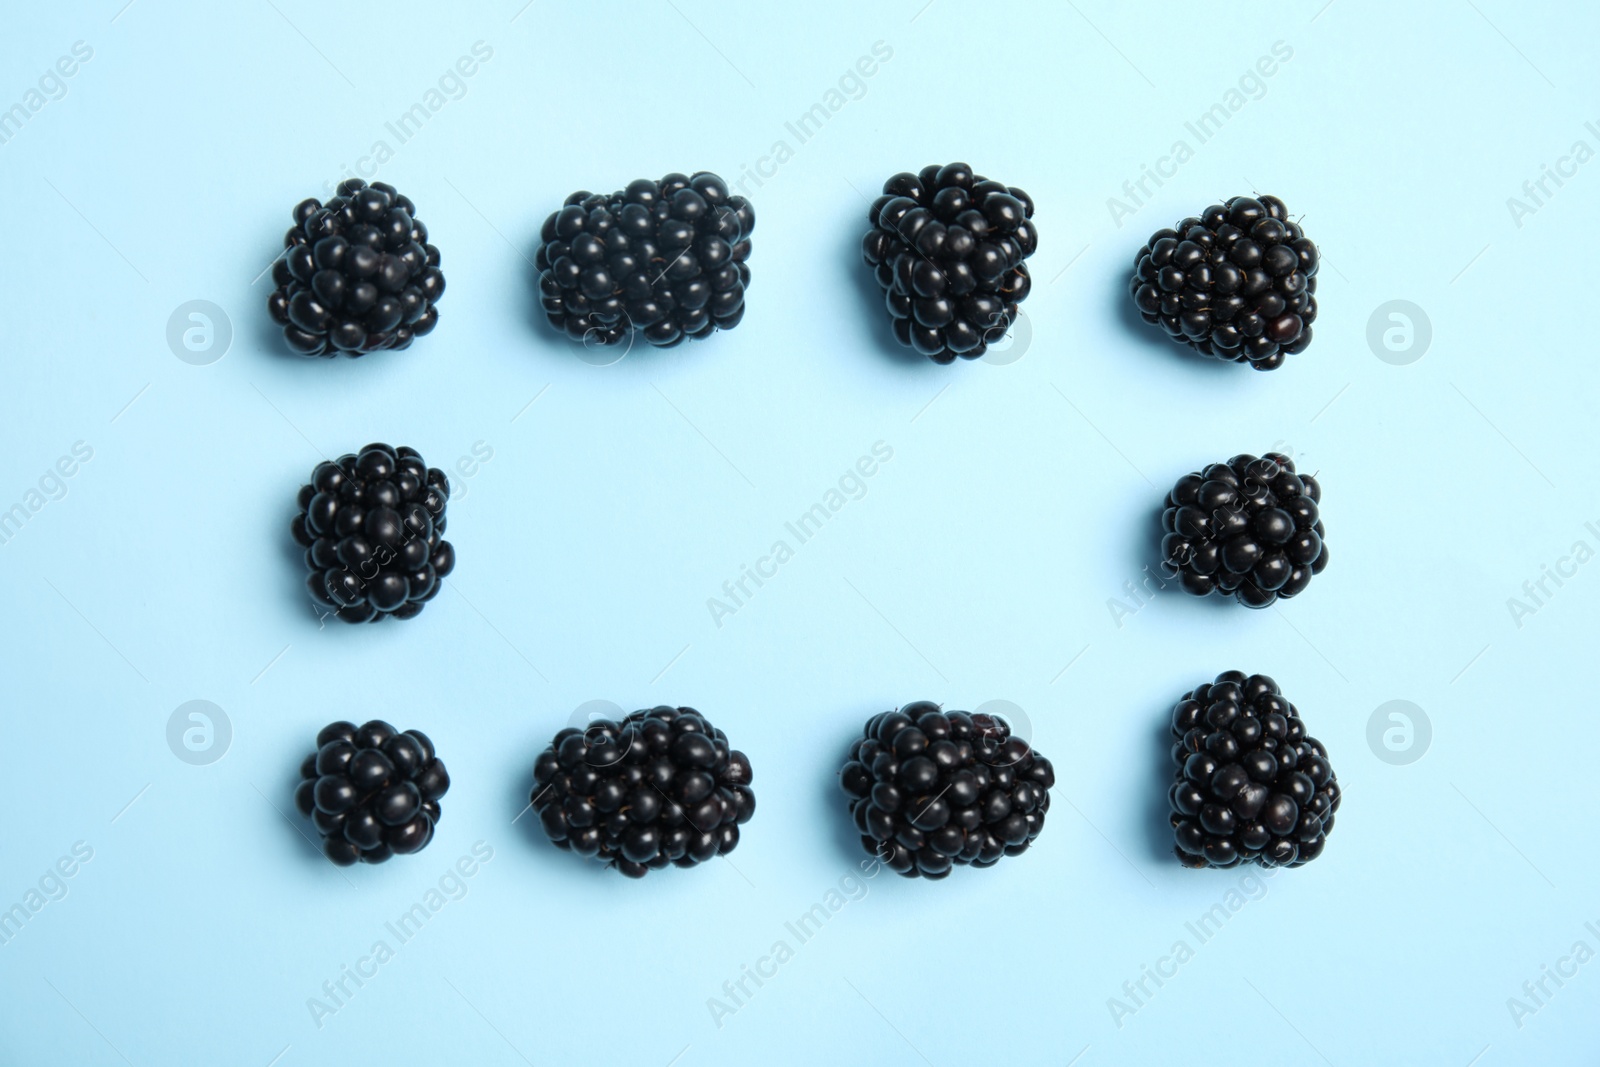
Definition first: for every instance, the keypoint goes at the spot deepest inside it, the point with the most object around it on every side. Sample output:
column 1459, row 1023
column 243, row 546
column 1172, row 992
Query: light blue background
column 978, row 565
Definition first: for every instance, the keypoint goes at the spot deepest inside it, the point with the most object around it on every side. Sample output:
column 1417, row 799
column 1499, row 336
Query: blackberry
column 371, row 791
column 947, row 248
column 665, row 258
column 1238, row 283
column 1251, row 784
column 358, row 274
column 660, row 787
column 1248, row 528
column 930, row 790
column 373, row 529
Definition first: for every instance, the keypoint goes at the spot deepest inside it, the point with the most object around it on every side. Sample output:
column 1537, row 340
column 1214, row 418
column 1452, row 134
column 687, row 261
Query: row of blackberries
column 929, row 790
column 667, row 259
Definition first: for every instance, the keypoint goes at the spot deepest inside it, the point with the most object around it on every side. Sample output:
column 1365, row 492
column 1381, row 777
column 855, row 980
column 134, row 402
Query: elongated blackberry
column 931, row 790
column 664, row 258
column 947, row 248
column 660, row 787
column 1252, row 785
column 1237, row 283
column 371, row 791
column 358, row 275
column 372, row 524
column 1248, row 528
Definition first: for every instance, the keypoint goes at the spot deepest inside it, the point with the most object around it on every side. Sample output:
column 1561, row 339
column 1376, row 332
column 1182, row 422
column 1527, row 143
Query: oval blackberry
column 372, row 524
column 371, row 791
column 660, row 787
column 1248, row 528
column 358, row 274
column 1251, row 784
column 1237, row 283
column 664, row 258
column 930, row 790
column 947, row 248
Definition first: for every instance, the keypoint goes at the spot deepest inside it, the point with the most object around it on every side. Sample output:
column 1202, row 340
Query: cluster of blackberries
column 1251, row 784
column 372, row 524
column 371, row 791
column 660, row 787
column 666, row 258
column 947, row 248
column 931, row 789
column 1236, row 283
column 1248, row 528
column 358, row 274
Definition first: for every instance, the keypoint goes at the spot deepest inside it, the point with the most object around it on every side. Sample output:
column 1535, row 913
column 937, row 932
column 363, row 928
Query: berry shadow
column 873, row 312
column 1158, row 809
column 300, row 836
column 833, row 805
column 1151, row 337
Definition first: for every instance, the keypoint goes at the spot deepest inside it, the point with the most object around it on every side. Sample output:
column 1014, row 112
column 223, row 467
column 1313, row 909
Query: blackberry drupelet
column 371, row 791
column 358, row 274
column 373, row 529
column 947, row 248
column 1251, row 784
column 1238, row 283
column 1248, row 528
column 660, row 787
column 930, row 790
column 664, row 258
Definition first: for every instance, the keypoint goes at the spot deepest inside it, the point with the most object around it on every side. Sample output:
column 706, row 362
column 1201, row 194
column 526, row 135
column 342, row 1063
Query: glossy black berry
column 1251, row 785
column 947, row 248
column 357, row 274
column 372, row 524
column 1237, row 283
column 371, row 791
column 931, row 790
column 1248, row 528
column 660, row 787
column 664, row 258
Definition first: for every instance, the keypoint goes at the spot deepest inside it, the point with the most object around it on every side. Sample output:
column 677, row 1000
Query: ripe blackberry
column 373, row 528
column 358, row 274
column 660, row 787
column 931, row 789
column 371, row 791
column 1251, row 784
column 947, row 248
column 1237, row 283
column 1248, row 528
column 665, row 258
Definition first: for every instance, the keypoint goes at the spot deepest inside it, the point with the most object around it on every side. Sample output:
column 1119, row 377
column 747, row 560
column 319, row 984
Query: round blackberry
column 371, row 791
column 947, row 248
column 665, row 258
column 373, row 529
column 660, row 787
column 1251, row 784
column 1237, row 283
column 358, row 274
column 1248, row 528
column 930, row 790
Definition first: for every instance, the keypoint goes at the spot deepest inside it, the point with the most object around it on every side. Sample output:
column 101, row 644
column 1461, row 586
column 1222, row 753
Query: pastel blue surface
column 998, row 555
